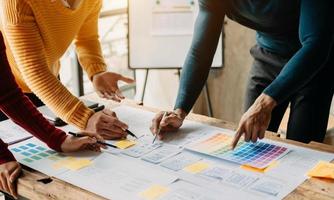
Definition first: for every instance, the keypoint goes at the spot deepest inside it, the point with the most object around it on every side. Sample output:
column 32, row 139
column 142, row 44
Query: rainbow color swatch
column 258, row 155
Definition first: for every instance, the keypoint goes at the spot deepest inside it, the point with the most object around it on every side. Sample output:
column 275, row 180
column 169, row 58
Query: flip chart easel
column 160, row 35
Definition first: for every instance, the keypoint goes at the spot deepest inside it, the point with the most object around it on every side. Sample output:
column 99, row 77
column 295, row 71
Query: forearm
column 88, row 46
column 19, row 108
column 299, row 71
column 316, row 37
column 200, row 56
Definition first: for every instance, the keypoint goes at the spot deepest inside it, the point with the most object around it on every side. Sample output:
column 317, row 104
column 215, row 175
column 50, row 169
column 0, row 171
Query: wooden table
column 30, row 186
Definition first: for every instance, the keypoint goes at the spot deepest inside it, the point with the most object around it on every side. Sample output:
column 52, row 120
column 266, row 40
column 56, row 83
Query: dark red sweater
column 22, row 111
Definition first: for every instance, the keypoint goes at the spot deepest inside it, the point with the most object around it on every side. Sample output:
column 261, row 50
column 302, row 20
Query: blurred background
column 226, row 86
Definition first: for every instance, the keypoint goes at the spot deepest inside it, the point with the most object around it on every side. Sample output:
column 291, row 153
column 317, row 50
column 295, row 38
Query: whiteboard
column 160, row 33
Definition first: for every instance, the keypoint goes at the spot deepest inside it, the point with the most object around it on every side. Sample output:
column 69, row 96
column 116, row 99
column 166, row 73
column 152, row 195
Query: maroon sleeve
column 21, row 110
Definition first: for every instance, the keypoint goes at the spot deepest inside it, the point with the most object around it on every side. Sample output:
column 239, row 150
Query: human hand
column 106, row 85
column 107, row 125
column 168, row 122
column 9, row 172
column 87, row 142
column 255, row 121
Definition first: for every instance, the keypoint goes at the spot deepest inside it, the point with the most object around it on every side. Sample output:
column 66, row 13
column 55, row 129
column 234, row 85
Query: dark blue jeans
column 309, row 107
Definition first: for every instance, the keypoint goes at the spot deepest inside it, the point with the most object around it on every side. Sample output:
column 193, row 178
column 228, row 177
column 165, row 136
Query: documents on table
column 140, row 169
column 11, row 133
column 38, row 156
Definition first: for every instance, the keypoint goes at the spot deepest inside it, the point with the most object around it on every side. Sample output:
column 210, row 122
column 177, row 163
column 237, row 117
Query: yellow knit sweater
column 37, row 34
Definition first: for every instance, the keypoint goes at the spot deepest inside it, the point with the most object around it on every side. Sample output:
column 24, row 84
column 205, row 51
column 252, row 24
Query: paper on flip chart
column 115, row 177
column 12, row 133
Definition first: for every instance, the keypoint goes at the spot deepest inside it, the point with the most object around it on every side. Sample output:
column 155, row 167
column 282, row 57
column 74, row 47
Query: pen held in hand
column 159, row 128
column 99, row 142
column 130, row 133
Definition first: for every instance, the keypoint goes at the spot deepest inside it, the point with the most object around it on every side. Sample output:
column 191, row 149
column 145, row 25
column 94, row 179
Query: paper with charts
column 168, row 171
column 257, row 155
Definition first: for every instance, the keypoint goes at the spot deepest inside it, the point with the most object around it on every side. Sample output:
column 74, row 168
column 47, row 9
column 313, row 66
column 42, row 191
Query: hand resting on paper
column 88, row 142
column 165, row 122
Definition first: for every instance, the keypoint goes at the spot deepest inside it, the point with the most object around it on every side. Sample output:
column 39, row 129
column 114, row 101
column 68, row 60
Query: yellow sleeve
column 25, row 42
column 88, row 46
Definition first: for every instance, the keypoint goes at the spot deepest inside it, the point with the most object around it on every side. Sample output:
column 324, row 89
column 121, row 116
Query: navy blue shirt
column 301, row 30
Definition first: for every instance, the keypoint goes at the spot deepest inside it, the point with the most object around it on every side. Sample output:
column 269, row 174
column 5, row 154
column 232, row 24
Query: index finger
column 126, row 79
column 156, row 122
column 237, row 137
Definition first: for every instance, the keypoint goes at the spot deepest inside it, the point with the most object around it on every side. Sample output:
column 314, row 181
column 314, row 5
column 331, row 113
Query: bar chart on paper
column 257, row 155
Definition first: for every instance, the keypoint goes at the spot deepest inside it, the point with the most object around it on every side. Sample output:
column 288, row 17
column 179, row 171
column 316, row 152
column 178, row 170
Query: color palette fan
column 258, row 155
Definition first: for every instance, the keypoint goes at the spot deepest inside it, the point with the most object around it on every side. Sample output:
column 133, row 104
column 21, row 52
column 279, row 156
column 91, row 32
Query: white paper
column 181, row 190
column 170, row 17
column 12, row 133
column 139, row 121
column 160, row 154
column 179, row 162
column 117, row 178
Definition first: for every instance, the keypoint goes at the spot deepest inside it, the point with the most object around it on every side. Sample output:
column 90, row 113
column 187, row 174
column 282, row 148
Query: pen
column 103, row 143
column 159, row 129
column 99, row 108
column 130, row 133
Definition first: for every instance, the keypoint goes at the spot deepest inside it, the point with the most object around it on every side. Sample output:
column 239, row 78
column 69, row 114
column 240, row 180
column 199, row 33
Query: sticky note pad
column 322, row 170
column 72, row 163
column 196, row 167
column 78, row 164
column 124, row 144
column 263, row 170
column 154, row 192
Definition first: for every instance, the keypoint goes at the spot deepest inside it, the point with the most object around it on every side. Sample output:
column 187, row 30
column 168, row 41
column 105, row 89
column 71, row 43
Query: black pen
column 99, row 108
column 130, row 133
column 103, row 143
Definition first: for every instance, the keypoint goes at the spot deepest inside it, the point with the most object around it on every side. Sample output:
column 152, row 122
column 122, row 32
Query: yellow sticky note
column 253, row 169
column 322, row 170
column 78, row 164
column 154, row 192
column 196, row 167
column 72, row 163
column 124, row 144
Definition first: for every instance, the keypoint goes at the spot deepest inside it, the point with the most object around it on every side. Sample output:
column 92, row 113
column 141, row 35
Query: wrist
column 266, row 102
column 181, row 113
column 97, row 74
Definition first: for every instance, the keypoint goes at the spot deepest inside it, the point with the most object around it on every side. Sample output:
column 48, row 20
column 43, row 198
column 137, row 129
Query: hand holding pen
column 165, row 122
column 82, row 141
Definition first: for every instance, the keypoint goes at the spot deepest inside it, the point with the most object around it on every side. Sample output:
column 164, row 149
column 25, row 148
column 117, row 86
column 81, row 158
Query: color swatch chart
column 32, row 152
column 257, row 155
column 34, row 155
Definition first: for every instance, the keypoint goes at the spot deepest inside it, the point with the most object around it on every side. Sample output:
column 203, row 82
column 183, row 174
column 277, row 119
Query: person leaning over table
column 23, row 112
column 293, row 63
column 37, row 33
